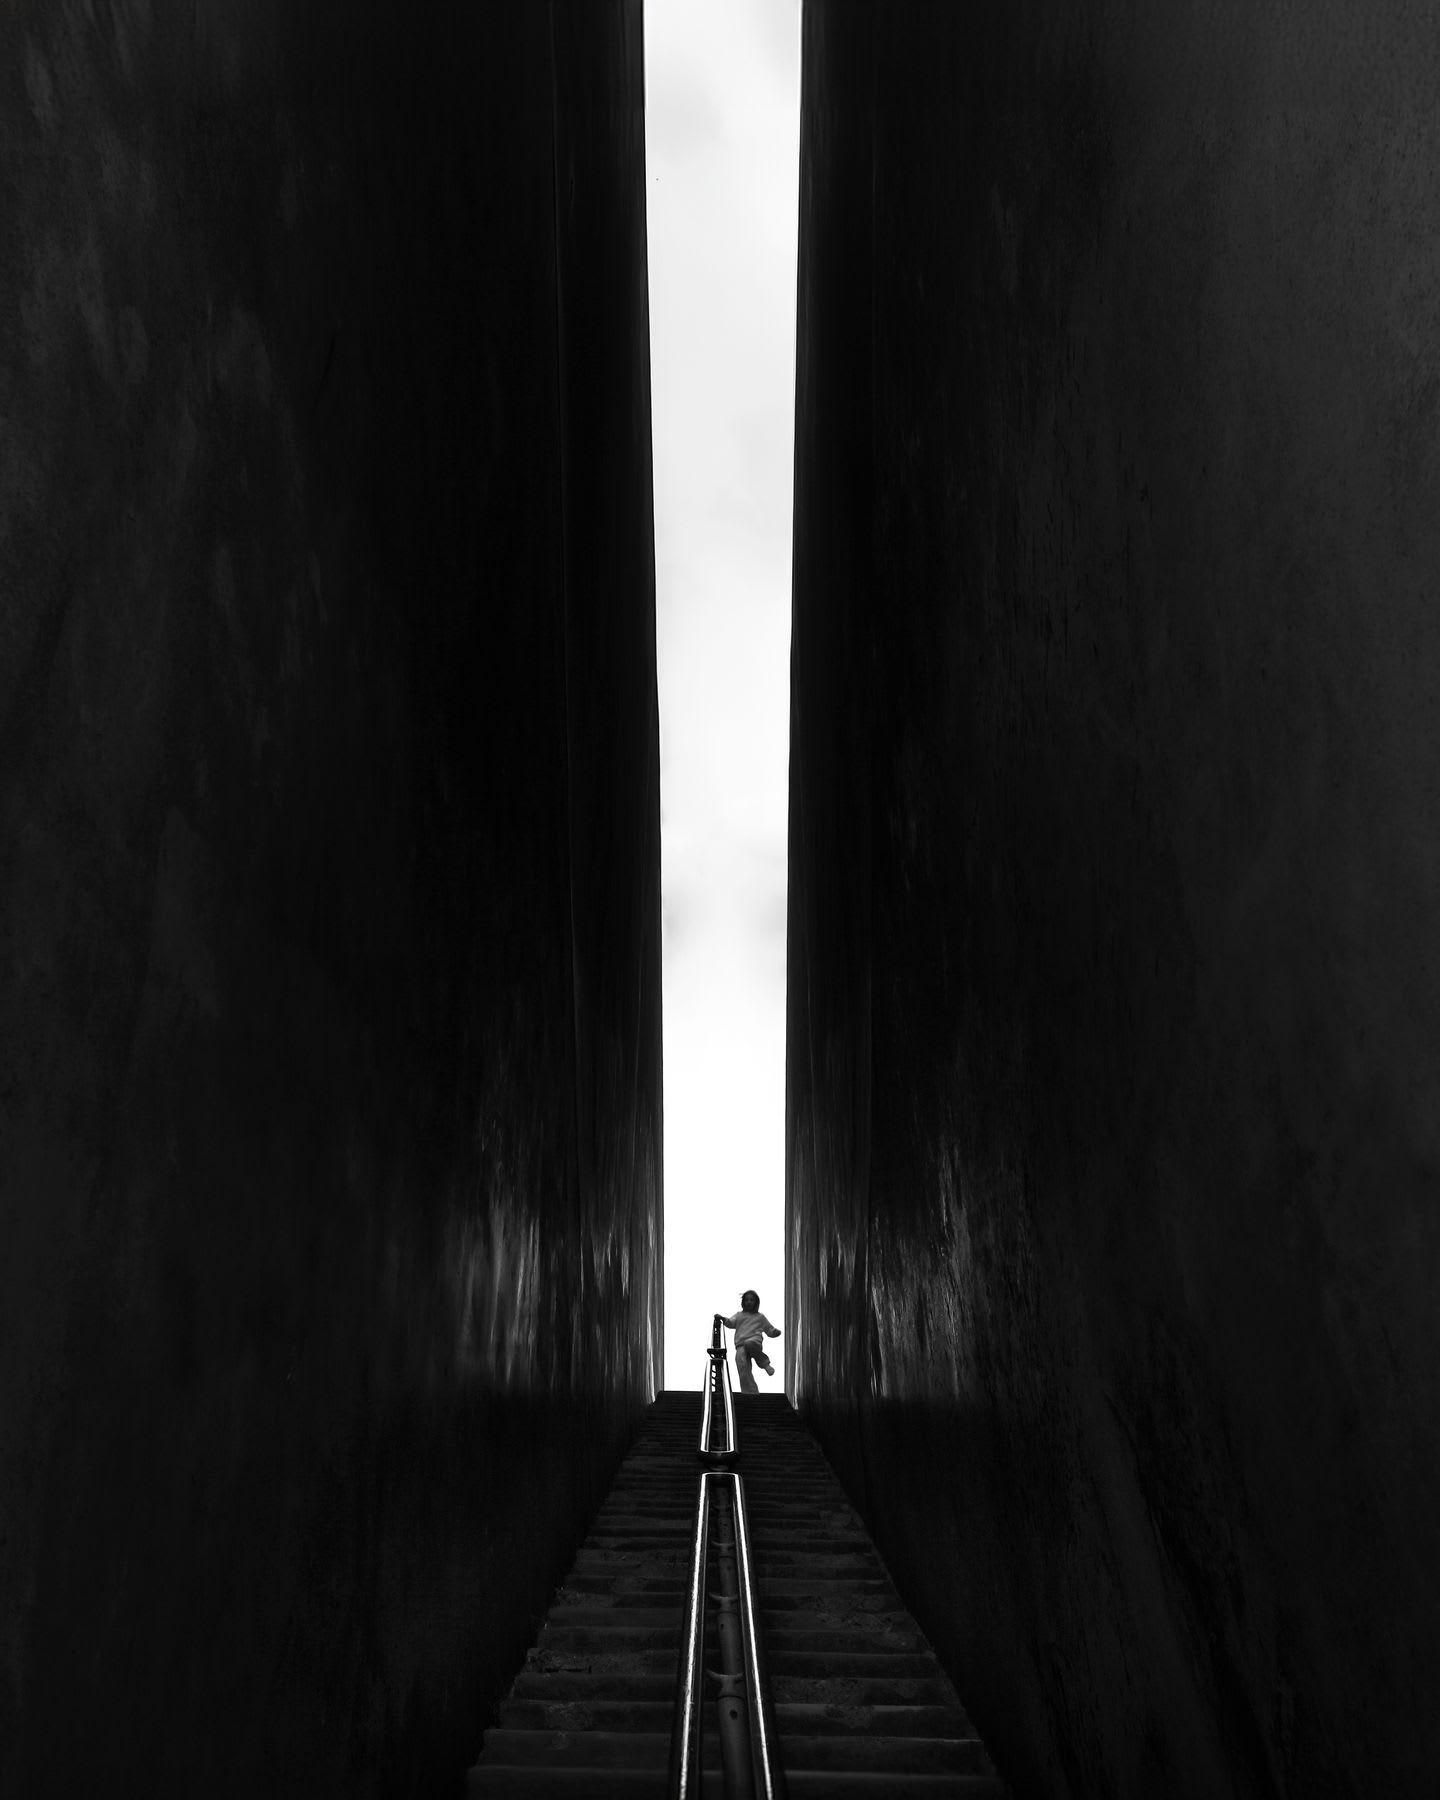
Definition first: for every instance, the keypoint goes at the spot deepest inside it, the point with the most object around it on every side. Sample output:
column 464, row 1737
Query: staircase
column 861, row 1705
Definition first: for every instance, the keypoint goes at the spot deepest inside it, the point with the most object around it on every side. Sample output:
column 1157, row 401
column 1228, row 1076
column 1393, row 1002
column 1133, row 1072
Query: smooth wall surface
column 1113, row 1091
column 330, row 1232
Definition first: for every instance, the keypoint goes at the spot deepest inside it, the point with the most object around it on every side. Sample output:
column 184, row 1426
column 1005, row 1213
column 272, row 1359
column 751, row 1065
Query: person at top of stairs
column 751, row 1329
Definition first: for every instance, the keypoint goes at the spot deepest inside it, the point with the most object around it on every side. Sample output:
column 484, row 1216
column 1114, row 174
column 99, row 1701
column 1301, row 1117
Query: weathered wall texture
column 1114, row 1081
column 329, row 906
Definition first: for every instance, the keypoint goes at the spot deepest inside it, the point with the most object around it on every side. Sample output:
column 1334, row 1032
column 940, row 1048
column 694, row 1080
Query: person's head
column 750, row 1300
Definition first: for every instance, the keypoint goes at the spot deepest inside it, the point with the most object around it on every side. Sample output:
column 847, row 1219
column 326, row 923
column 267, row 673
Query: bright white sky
column 722, row 91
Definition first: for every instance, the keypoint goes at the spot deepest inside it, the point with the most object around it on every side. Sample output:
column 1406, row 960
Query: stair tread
column 829, row 1690
column 861, row 1705
column 498, row 1782
column 580, row 1747
column 633, row 1749
column 541, row 1713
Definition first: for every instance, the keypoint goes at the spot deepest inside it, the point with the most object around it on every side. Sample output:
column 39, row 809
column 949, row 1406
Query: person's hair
column 749, row 1294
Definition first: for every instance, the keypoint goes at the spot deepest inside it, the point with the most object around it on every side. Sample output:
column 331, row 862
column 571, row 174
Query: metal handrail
column 685, row 1734
column 759, row 1725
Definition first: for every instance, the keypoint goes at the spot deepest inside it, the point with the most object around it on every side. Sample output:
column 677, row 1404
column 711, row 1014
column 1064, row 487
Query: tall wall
column 1114, row 1071
column 329, row 873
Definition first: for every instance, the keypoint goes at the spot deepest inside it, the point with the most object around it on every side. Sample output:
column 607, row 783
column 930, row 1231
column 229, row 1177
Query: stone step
column 664, row 1561
column 830, row 1597
column 663, row 1542
column 615, row 1663
column 609, row 1558
column 650, row 1500
column 893, row 1756
column 646, row 1487
column 599, row 1747
column 781, row 1595
column 651, row 1518
column 827, row 1663
column 792, row 1541
column 642, row 1755
column 820, row 1576
column 671, row 1478
column 609, row 1639
column 669, row 1598
column 888, row 1627
column 624, row 1581
column 681, row 1507
column 618, row 1529
column 888, row 1624
column 881, row 1784
column 492, row 1781
column 821, row 1563
column 785, row 1639
column 550, row 1783
column 557, row 1686
column 590, row 1685
column 847, row 1691
column 594, row 1619
column 533, row 1718
column 657, row 1543
column 800, row 1720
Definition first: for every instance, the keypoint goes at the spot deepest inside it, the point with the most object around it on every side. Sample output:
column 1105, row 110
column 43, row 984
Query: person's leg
column 748, row 1383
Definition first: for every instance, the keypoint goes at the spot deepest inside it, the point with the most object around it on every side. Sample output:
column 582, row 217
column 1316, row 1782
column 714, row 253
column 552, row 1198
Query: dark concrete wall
column 329, row 873
column 1114, row 1075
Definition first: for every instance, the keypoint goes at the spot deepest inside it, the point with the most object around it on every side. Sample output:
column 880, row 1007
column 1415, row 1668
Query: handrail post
column 717, row 1374
column 707, row 1408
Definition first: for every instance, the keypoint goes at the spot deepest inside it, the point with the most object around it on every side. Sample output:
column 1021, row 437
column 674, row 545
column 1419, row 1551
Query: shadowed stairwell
column 861, row 1705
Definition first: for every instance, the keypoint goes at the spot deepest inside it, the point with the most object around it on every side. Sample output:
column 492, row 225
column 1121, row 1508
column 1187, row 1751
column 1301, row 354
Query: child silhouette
column 751, row 1329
